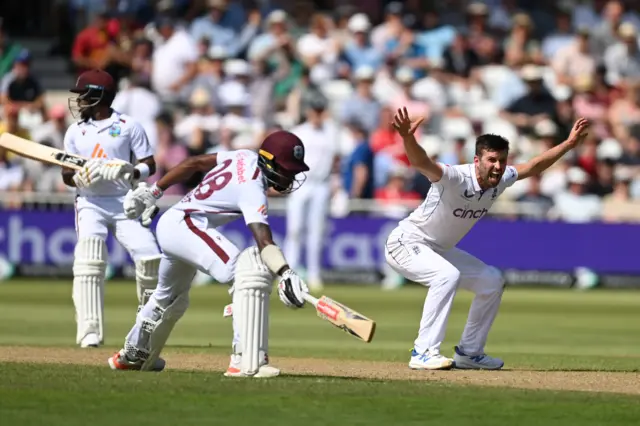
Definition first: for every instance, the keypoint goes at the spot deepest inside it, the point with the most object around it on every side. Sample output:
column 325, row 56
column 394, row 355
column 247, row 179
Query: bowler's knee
column 492, row 281
column 448, row 276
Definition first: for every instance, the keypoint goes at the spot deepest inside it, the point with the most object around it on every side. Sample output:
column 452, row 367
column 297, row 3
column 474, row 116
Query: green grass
column 536, row 329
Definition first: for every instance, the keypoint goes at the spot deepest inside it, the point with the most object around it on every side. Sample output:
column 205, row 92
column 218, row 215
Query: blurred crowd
column 212, row 75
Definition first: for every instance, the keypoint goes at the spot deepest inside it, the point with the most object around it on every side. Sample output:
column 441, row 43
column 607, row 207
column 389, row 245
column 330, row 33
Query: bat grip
column 309, row 298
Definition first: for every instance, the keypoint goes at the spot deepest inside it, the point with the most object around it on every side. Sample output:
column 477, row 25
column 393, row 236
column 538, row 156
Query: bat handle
column 310, row 299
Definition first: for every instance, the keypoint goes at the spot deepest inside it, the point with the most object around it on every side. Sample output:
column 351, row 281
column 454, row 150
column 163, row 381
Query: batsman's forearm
column 179, row 174
column 67, row 177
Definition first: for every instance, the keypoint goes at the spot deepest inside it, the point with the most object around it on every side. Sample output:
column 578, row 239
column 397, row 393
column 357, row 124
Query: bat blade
column 35, row 151
column 344, row 318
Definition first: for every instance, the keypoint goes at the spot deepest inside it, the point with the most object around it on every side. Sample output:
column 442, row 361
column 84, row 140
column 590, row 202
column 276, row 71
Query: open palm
column 404, row 125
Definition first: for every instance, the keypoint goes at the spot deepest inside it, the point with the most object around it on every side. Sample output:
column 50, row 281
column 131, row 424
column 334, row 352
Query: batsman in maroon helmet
column 235, row 185
column 112, row 141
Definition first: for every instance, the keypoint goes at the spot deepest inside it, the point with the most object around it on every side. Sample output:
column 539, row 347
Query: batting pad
column 252, row 288
column 89, row 266
column 146, row 277
column 156, row 326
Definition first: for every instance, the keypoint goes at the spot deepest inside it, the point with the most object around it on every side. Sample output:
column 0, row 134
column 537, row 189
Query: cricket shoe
column 91, row 340
column 265, row 370
column 476, row 362
column 120, row 361
column 429, row 361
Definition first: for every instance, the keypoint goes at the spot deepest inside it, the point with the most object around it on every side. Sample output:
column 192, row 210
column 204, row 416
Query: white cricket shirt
column 117, row 137
column 453, row 205
column 234, row 188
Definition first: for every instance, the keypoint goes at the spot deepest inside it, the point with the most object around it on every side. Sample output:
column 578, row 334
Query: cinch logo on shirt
column 98, row 152
column 469, row 213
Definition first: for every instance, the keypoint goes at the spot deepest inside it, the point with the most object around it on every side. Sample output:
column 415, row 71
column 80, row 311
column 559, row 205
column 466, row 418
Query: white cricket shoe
column 265, row 370
column 91, row 340
column 476, row 362
column 429, row 361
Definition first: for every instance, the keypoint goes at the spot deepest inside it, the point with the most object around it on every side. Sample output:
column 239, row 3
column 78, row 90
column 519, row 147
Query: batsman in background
column 423, row 247
column 234, row 186
column 112, row 141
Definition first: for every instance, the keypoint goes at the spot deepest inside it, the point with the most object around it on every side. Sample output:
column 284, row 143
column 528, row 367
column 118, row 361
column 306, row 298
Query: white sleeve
column 509, row 177
column 253, row 203
column 140, row 145
column 69, row 141
column 451, row 175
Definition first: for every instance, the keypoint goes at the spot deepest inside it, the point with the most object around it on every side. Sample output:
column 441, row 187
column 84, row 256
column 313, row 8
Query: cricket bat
column 43, row 153
column 35, row 151
column 343, row 317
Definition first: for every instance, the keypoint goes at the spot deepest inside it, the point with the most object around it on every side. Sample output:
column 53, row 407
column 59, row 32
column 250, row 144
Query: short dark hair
column 491, row 142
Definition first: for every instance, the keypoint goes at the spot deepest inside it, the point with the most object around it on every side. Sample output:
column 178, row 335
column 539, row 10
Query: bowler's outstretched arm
column 417, row 156
column 542, row 162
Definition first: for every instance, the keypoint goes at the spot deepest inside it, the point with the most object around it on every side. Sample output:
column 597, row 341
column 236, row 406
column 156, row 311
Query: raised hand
column 404, row 125
column 579, row 132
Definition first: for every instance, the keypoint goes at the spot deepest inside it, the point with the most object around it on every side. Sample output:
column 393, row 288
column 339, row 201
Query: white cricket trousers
column 444, row 273
column 307, row 210
column 96, row 216
column 188, row 244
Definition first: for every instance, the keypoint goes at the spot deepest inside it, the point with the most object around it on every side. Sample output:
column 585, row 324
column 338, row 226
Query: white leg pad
column 146, row 277
column 251, row 291
column 155, row 329
column 89, row 266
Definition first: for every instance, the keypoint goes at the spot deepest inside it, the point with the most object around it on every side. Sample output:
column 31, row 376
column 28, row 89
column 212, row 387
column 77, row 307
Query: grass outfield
column 552, row 341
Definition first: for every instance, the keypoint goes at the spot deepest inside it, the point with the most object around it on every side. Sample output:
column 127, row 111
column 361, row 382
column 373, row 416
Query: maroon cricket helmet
column 286, row 150
column 281, row 158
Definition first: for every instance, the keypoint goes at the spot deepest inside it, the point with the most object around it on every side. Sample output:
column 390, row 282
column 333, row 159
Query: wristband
column 274, row 259
column 155, row 191
column 144, row 170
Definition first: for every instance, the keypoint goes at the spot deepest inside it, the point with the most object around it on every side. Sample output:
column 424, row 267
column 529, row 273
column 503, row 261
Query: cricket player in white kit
column 112, row 141
column 423, row 246
column 234, row 186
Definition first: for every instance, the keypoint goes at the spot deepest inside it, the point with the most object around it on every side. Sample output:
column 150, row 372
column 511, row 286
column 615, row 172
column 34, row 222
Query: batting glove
column 116, row 170
column 291, row 289
column 141, row 202
column 89, row 175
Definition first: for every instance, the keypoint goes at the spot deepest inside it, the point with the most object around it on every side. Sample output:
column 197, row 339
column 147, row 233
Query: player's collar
column 474, row 178
column 110, row 122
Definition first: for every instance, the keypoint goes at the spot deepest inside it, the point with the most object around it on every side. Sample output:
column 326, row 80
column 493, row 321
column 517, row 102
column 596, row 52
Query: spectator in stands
column 391, row 28
column 174, row 62
column 319, row 50
column 587, row 103
column 168, row 153
column 23, row 89
column 359, row 52
column 538, row 204
column 91, row 47
column 562, row 35
column 477, row 30
column 357, row 175
column 631, row 147
column 198, row 130
column 457, row 155
column 625, row 111
column 141, row 60
column 52, row 132
column 603, row 182
column 520, row 46
column 605, row 33
column 573, row 59
column 619, row 206
column 573, row 205
column 12, row 176
column 11, row 123
column 222, row 33
column 138, row 101
column 435, row 36
column 263, row 106
column 459, row 59
column 622, row 59
column 405, row 78
column 238, row 128
column 362, row 106
column 394, row 198
column 270, row 43
column 534, row 106
column 8, row 52
column 299, row 99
